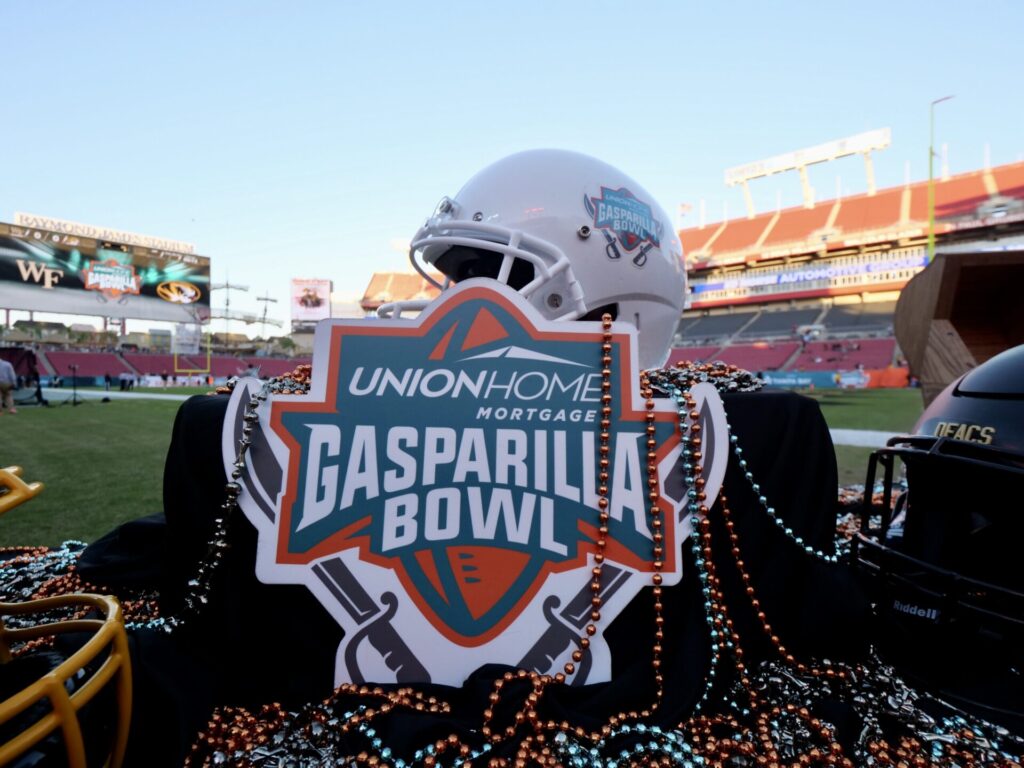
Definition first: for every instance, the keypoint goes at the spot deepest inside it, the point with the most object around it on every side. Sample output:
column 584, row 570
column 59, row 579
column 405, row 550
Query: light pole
column 931, row 178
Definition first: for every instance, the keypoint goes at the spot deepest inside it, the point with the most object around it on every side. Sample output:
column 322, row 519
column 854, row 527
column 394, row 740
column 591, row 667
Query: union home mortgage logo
column 437, row 489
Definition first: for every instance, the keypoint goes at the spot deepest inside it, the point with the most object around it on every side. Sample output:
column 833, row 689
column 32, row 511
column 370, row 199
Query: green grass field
column 884, row 410
column 102, row 463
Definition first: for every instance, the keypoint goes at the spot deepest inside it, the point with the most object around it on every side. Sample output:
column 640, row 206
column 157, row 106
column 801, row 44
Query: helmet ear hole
column 599, row 312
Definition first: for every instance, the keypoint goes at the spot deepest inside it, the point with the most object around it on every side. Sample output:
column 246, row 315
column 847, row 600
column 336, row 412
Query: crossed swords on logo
column 373, row 618
column 612, row 251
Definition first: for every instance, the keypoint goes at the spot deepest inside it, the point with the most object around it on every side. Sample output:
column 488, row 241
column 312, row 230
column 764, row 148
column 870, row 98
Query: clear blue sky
column 310, row 139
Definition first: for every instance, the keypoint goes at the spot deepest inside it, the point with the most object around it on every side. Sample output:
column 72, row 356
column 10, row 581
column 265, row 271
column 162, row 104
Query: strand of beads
column 884, row 706
column 317, row 733
column 677, row 383
column 658, row 551
column 720, row 626
column 748, row 588
column 296, row 382
column 724, row 377
column 534, row 746
column 540, row 682
column 729, row 378
column 762, row 500
column 817, row 730
column 768, row 715
column 651, row 745
column 724, row 637
column 28, row 573
column 616, row 722
column 604, row 466
column 546, row 741
column 199, row 585
column 22, row 575
column 765, row 727
column 788, row 730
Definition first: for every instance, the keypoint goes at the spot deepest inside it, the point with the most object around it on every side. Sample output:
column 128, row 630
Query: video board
column 51, row 271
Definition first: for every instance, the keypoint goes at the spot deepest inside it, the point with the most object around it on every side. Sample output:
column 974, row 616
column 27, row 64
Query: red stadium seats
column 89, row 363
column 759, row 357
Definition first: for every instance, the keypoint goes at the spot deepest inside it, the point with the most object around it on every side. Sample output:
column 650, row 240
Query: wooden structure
column 961, row 310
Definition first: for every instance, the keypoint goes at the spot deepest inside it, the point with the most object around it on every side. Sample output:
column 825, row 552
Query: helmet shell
column 984, row 406
column 592, row 234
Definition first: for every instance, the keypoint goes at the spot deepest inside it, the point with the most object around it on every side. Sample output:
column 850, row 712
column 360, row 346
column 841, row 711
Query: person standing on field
column 8, row 380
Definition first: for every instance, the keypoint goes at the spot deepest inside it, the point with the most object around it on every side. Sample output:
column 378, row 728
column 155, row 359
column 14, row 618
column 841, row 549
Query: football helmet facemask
column 574, row 235
column 80, row 689
column 943, row 556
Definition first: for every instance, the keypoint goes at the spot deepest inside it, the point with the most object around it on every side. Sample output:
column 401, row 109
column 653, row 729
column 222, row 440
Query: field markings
column 59, row 395
column 860, row 438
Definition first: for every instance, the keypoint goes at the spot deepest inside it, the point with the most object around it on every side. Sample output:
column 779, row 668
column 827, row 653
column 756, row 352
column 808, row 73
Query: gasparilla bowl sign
column 437, row 488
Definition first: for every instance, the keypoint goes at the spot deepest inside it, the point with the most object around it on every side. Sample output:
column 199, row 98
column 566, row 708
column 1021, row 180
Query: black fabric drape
column 256, row 643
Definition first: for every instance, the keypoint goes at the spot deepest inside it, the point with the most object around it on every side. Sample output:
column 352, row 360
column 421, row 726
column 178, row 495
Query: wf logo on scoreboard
column 437, row 488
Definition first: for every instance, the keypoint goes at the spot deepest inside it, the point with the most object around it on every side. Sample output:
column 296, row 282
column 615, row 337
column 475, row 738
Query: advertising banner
column 53, row 271
column 448, row 485
column 310, row 302
column 836, row 379
column 187, row 338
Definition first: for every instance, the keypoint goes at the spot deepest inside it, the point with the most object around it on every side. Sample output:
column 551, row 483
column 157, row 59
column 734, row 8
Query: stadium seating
column 1010, row 180
column 224, row 365
column 764, row 356
column 797, row 226
column 860, row 318
column 149, row 364
column 719, row 326
column 956, row 196
column 153, row 365
column 776, row 324
column 89, row 363
column 885, row 215
column 685, row 324
column 741, row 233
column 845, row 355
column 386, row 287
column 862, row 213
column 693, row 354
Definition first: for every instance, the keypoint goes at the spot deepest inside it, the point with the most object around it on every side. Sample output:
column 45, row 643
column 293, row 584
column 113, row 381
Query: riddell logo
column 38, row 273
column 932, row 614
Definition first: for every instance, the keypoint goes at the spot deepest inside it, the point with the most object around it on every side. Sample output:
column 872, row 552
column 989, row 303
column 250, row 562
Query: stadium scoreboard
column 61, row 269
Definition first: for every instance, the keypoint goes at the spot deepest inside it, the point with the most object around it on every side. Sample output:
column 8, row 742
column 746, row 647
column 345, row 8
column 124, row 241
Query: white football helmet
column 575, row 236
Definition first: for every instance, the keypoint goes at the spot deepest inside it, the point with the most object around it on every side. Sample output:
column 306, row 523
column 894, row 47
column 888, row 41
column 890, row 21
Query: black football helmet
column 943, row 557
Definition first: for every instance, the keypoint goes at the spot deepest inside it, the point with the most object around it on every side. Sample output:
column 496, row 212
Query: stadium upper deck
column 864, row 244
column 386, row 287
